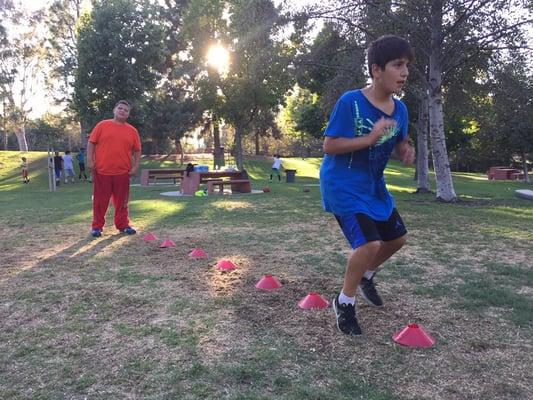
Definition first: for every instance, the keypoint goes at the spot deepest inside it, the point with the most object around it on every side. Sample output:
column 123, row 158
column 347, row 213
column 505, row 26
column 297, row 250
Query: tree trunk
column 524, row 167
column 218, row 155
column 443, row 175
column 179, row 149
column 422, row 164
column 257, row 143
column 238, row 148
column 6, row 137
column 21, row 138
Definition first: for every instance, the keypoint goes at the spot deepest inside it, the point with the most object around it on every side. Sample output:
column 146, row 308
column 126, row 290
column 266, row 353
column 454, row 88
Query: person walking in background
column 365, row 126
column 24, row 167
column 276, row 167
column 58, row 166
column 113, row 155
column 81, row 163
column 68, row 167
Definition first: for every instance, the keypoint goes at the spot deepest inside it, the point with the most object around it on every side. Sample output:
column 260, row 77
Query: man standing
column 113, row 155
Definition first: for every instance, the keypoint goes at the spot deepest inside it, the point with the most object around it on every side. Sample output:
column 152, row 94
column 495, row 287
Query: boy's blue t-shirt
column 81, row 158
column 353, row 182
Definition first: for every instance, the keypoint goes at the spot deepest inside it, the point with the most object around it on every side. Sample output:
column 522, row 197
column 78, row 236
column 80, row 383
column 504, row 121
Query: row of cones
column 412, row 335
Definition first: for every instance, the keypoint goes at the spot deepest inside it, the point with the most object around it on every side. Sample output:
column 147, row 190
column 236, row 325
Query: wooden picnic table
column 190, row 183
column 160, row 173
column 504, row 173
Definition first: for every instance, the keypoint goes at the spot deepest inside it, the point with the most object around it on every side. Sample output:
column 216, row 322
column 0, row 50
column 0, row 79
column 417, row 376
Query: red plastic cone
column 268, row 282
column 149, row 237
column 198, row 253
column 313, row 300
column 226, row 265
column 167, row 243
column 413, row 336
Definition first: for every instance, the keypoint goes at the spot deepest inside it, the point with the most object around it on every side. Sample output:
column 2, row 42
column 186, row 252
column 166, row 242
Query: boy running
column 365, row 127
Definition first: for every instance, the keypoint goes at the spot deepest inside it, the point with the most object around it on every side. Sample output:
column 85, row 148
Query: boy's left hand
column 406, row 152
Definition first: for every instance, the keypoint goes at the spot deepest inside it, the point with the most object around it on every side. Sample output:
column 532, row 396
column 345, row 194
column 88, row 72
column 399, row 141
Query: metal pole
column 51, row 170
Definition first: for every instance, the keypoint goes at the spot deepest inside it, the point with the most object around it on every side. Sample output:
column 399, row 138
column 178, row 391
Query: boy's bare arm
column 406, row 152
column 341, row 145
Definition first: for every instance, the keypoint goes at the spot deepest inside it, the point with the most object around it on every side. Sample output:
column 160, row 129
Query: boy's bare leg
column 386, row 251
column 358, row 263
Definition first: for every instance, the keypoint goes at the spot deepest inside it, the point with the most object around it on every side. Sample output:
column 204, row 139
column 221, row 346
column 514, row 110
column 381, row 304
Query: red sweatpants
column 116, row 187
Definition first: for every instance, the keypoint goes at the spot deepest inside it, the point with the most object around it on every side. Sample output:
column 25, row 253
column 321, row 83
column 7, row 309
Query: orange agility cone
column 413, row 336
column 149, row 237
column 313, row 300
column 268, row 282
column 226, row 265
column 167, row 243
column 198, row 253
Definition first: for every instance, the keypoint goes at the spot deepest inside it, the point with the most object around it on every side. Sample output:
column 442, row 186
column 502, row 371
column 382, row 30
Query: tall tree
column 259, row 73
column 20, row 67
column 449, row 34
column 513, row 106
column 121, row 50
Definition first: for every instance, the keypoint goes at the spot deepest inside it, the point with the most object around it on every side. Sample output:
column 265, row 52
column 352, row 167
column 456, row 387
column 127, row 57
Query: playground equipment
column 51, row 172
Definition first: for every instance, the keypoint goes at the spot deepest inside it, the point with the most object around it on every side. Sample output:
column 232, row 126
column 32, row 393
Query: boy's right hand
column 380, row 128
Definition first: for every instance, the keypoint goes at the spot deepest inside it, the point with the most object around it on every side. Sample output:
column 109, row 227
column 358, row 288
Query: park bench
column 160, row 173
column 237, row 185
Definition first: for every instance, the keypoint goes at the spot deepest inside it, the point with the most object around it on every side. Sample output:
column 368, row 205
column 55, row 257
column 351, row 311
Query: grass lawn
column 119, row 318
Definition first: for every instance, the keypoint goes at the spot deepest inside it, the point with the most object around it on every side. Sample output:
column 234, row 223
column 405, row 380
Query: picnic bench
column 237, row 185
column 160, row 173
column 505, row 173
column 190, row 183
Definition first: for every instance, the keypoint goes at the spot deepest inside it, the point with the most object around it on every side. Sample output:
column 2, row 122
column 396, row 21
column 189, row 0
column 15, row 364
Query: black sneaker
column 129, row 231
column 346, row 320
column 96, row 232
column 368, row 291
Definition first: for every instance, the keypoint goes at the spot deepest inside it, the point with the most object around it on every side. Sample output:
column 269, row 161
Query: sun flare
column 218, row 58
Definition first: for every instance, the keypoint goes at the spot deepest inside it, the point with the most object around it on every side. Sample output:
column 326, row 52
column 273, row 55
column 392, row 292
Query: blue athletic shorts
column 360, row 229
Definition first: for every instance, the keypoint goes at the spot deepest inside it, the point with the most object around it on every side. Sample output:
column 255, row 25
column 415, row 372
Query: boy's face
column 393, row 77
column 121, row 112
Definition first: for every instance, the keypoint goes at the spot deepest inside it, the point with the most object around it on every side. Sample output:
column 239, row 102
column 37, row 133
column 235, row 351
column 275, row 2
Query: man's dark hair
column 123, row 102
column 388, row 48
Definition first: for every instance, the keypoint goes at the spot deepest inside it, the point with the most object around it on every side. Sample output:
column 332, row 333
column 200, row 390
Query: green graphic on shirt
column 368, row 124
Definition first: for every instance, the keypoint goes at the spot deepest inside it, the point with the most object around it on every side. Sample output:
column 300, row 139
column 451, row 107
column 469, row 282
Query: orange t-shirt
column 114, row 145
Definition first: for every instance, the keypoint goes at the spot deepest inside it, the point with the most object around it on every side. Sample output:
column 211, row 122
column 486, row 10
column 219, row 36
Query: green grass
column 120, row 318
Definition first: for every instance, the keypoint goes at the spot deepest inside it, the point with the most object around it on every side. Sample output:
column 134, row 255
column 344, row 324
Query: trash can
column 290, row 174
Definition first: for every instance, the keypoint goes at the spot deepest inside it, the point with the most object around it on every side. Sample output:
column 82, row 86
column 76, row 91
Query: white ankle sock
column 343, row 299
column 369, row 274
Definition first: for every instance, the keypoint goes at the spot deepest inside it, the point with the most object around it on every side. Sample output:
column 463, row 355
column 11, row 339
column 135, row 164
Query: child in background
column 24, row 167
column 81, row 162
column 276, row 167
column 68, row 167
column 58, row 166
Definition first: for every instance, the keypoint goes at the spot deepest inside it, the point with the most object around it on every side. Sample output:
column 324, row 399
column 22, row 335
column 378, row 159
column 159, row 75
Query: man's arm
column 91, row 150
column 405, row 151
column 342, row 145
column 135, row 162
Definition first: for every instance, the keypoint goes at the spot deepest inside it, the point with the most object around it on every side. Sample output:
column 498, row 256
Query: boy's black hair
column 67, row 152
column 388, row 48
